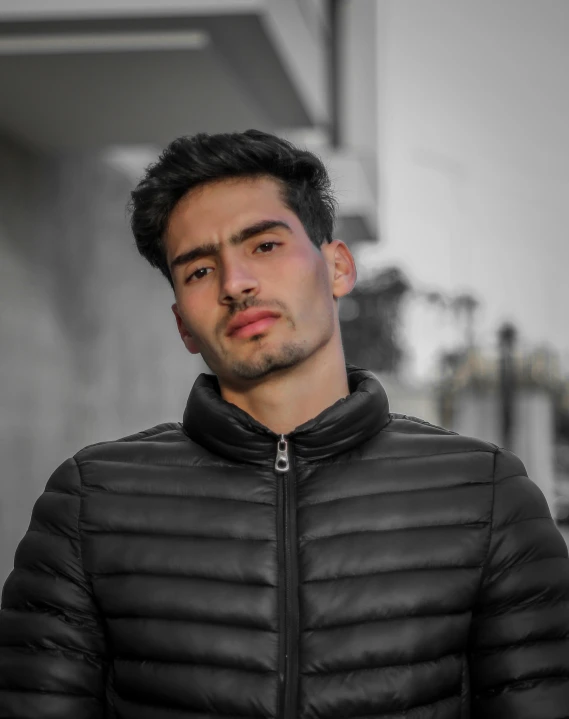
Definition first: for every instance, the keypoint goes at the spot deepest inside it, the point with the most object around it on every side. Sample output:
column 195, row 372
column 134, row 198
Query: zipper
column 288, row 657
column 282, row 462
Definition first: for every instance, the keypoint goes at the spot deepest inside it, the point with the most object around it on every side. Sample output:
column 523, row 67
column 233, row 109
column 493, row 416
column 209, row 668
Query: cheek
column 190, row 319
column 313, row 291
column 195, row 306
column 320, row 282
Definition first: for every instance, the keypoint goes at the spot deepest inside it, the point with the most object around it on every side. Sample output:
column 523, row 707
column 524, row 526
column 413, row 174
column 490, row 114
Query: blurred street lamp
column 507, row 335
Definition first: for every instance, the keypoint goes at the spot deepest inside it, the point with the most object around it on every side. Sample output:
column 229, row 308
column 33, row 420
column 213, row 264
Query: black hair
column 190, row 162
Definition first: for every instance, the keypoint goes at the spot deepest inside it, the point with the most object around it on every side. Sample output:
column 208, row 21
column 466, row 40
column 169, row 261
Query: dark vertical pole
column 507, row 338
column 334, row 75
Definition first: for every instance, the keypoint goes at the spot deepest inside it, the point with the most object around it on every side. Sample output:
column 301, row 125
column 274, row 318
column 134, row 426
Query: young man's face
column 253, row 262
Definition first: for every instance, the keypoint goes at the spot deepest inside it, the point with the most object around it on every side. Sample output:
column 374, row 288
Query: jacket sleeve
column 519, row 658
column 52, row 647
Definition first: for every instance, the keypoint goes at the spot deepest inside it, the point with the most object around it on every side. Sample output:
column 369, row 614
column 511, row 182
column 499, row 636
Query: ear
column 187, row 338
column 341, row 266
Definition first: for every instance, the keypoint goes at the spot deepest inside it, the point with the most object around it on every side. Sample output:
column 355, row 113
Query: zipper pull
column 281, row 462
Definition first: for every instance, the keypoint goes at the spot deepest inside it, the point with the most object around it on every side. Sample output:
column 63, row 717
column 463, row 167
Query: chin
column 256, row 368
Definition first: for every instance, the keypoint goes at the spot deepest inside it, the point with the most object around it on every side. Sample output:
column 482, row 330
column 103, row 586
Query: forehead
column 226, row 205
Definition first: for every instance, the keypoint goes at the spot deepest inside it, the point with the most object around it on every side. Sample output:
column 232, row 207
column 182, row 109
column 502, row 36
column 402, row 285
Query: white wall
column 474, row 151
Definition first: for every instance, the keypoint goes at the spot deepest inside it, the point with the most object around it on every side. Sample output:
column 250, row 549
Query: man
column 291, row 549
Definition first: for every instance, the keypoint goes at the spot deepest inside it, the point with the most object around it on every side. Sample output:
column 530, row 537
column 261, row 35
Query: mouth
column 255, row 327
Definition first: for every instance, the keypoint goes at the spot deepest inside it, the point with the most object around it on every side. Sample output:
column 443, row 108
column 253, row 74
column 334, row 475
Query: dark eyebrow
column 211, row 248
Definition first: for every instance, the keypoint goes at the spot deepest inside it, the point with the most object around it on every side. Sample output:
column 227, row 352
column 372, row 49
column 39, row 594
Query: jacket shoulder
column 406, row 431
column 143, row 443
column 408, row 423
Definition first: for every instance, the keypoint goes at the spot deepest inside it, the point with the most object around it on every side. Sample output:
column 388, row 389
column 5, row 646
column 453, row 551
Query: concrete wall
column 32, row 9
column 89, row 346
column 36, row 372
column 359, row 79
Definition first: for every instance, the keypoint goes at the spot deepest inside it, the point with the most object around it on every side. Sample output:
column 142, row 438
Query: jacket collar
column 226, row 430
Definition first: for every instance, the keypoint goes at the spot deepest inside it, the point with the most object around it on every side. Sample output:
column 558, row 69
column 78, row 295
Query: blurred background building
column 473, row 157
column 444, row 126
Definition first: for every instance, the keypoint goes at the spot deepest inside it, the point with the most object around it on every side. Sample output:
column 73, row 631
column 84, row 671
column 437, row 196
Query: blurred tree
column 370, row 318
column 465, row 306
column 462, row 306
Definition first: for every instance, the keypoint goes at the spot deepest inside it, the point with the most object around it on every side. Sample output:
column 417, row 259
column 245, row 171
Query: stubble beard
column 289, row 355
column 269, row 361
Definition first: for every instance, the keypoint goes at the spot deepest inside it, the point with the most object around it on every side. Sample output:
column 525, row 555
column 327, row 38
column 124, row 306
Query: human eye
column 268, row 244
column 197, row 275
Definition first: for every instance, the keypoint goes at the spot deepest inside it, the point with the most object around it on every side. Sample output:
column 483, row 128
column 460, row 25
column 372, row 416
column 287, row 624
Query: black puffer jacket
column 393, row 570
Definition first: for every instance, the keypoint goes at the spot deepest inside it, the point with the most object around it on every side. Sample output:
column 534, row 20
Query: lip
column 251, row 322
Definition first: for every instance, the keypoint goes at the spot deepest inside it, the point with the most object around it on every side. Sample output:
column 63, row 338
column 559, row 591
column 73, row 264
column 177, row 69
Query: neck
column 289, row 398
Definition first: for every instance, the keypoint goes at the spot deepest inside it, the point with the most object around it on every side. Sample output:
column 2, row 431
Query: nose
column 237, row 282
